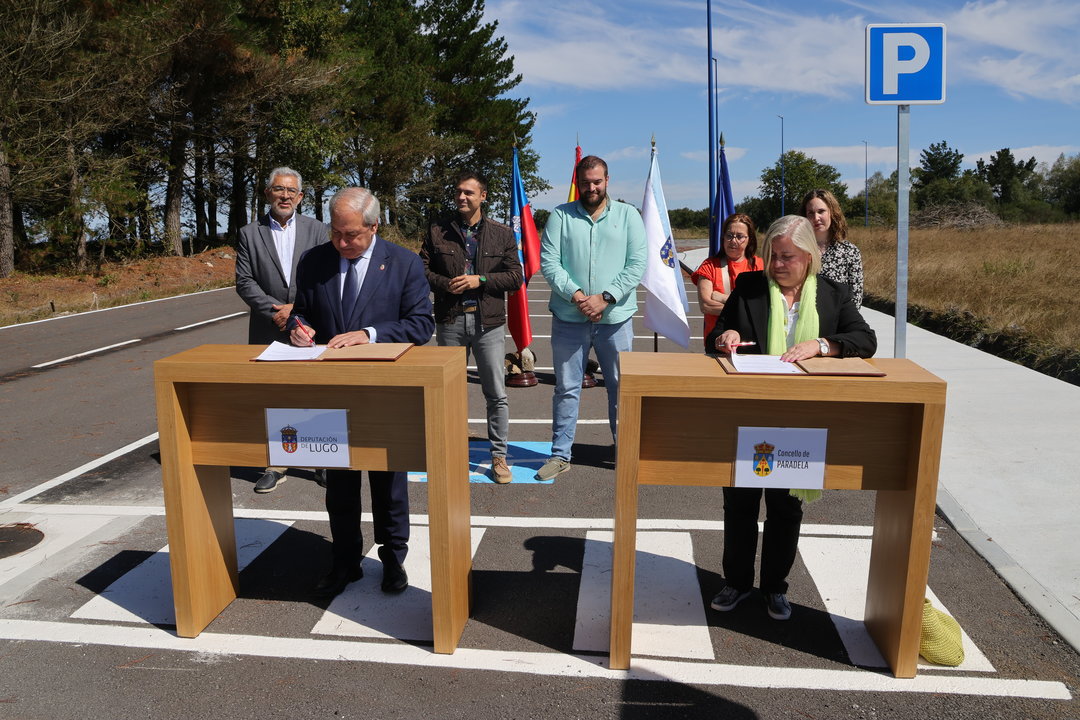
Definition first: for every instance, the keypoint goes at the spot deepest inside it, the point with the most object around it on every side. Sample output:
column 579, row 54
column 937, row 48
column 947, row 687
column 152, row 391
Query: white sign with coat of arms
column 769, row 457
column 308, row 438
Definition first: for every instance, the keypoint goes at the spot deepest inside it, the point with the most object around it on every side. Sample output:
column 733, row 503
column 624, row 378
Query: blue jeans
column 489, row 348
column 570, row 343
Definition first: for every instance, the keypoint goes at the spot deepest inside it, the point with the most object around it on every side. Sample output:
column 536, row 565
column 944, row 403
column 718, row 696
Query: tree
column 687, row 218
column 471, row 73
column 36, row 41
column 800, row 174
column 882, row 201
column 1063, row 184
column 938, row 162
column 1008, row 179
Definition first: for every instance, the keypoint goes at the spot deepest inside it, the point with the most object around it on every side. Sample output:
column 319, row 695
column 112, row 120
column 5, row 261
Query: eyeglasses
column 733, row 236
column 282, row 189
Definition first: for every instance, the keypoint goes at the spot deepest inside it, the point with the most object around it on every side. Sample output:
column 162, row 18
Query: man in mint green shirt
column 593, row 256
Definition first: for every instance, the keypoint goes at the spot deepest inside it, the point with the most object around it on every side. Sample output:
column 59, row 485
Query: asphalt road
column 270, row 653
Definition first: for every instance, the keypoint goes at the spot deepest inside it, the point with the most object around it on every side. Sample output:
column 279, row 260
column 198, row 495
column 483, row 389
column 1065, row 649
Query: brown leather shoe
column 500, row 471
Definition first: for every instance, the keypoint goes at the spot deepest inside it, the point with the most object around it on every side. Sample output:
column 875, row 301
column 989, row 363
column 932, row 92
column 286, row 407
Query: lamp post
column 783, row 187
column 866, row 183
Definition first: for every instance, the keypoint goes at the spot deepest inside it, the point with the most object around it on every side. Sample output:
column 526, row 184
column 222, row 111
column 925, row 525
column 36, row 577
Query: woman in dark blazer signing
column 791, row 311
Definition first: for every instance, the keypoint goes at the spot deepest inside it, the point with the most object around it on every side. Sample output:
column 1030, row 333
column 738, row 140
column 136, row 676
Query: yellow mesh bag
column 941, row 641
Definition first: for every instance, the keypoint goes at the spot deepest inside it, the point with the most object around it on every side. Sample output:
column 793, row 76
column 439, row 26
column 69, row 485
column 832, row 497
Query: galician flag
column 665, row 299
column 528, row 243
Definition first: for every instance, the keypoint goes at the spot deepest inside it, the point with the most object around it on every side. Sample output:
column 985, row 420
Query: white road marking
column 636, row 317
column 115, row 307
column 839, row 568
column 207, row 322
column 71, row 474
column 84, row 354
column 364, row 610
column 144, row 595
column 476, row 520
column 669, row 617
column 530, row 663
column 636, row 337
column 60, row 532
column 538, row 421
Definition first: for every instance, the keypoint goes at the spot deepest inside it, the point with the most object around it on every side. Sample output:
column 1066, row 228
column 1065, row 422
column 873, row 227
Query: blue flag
column 724, row 205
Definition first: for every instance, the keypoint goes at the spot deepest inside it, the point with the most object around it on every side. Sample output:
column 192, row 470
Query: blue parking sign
column 905, row 64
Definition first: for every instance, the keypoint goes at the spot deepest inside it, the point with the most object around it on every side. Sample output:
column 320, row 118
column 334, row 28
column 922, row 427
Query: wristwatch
column 608, row 297
column 823, row 345
column 483, row 279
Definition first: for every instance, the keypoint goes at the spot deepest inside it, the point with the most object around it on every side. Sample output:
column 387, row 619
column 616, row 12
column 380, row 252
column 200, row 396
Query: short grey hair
column 801, row 232
column 287, row 172
column 358, row 200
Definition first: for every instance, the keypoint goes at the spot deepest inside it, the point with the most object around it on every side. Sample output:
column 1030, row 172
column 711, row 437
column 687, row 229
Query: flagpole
column 652, row 158
column 712, row 123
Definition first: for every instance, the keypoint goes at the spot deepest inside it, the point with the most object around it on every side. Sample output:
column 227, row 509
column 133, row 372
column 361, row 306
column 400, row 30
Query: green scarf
column 806, row 328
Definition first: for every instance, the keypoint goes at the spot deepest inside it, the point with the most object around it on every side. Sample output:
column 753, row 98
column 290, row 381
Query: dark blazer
column 497, row 260
column 393, row 299
column 260, row 281
column 747, row 312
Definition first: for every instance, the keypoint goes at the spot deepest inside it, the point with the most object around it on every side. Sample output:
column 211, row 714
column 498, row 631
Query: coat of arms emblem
column 288, row 438
column 763, row 459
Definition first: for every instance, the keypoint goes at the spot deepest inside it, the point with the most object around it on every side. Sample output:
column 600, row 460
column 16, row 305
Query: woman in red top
column 715, row 279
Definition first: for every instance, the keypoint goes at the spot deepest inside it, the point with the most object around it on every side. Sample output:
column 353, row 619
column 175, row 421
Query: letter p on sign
column 905, row 64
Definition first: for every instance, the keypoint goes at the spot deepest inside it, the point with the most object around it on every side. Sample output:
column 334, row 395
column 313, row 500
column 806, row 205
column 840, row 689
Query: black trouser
column 783, row 518
column 389, row 508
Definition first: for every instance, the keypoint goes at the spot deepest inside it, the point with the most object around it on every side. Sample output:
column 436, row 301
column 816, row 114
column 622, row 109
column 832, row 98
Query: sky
column 613, row 73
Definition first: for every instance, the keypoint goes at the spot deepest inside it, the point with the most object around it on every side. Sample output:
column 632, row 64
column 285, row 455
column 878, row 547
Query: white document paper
column 764, row 365
column 277, row 352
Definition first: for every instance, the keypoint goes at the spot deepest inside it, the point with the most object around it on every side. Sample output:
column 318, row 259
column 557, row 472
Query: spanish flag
column 573, row 176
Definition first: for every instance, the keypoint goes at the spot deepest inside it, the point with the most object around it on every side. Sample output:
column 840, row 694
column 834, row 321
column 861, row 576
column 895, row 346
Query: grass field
column 1016, row 279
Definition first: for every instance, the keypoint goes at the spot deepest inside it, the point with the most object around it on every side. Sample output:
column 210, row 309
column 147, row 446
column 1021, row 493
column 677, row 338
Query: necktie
column 349, row 292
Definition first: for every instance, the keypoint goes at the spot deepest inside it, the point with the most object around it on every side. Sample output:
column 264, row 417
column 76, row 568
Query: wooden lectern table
column 679, row 416
column 409, row 414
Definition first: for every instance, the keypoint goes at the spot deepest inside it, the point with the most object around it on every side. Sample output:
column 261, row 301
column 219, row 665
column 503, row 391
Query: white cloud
column 732, row 154
column 594, row 50
column 630, row 152
column 851, row 154
column 1025, row 47
column 612, row 46
column 1028, row 76
column 1042, row 153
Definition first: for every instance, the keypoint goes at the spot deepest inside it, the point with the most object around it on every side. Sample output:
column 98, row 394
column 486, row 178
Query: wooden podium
column 410, row 414
column 678, row 421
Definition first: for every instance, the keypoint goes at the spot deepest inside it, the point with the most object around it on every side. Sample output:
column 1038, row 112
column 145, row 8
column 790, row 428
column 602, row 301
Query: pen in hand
column 311, row 339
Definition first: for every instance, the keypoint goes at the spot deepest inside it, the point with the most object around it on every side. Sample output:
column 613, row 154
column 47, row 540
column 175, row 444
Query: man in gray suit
column 266, row 260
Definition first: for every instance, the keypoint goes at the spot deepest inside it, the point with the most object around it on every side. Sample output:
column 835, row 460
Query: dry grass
column 1018, row 279
column 25, row 297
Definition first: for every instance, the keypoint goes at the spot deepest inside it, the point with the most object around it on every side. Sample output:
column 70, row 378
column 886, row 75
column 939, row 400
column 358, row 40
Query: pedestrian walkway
column 1009, row 480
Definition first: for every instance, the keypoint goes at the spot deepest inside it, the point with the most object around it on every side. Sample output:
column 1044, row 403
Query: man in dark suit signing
column 266, row 258
column 359, row 288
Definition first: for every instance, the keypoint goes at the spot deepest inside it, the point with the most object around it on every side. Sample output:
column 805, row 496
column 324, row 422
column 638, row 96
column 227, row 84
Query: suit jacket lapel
column 331, row 289
column 270, row 249
column 304, row 240
column 378, row 266
column 758, row 309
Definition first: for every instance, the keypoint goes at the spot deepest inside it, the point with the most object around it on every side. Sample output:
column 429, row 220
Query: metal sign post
column 903, row 191
column 905, row 66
